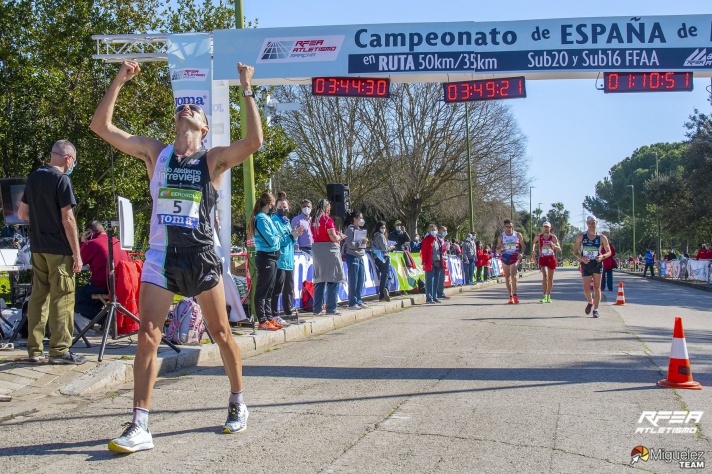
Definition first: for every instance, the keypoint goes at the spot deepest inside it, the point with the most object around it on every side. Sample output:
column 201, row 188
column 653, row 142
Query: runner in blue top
column 184, row 179
column 587, row 249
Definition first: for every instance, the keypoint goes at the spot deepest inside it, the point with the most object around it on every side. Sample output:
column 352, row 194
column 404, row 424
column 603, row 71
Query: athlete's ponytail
column 264, row 200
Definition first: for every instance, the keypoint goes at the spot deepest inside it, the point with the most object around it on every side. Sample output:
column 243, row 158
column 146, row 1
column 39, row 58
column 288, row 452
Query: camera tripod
column 112, row 306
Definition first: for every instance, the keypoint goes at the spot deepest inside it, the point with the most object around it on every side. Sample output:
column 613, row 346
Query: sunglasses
column 193, row 107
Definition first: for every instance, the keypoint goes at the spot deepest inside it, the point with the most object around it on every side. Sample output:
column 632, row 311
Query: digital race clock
column 647, row 81
column 485, row 89
column 351, row 87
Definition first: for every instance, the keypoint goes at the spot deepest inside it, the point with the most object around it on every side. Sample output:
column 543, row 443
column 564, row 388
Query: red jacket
column 704, row 254
column 95, row 253
column 426, row 253
column 483, row 258
column 608, row 262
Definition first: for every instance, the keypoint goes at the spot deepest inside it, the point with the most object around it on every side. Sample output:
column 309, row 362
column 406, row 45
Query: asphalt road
column 471, row 385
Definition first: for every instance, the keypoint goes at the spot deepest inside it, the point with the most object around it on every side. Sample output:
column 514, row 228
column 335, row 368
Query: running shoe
column 363, row 305
column 511, row 300
column 437, row 300
column 548, row 298
column 588, row 308
column 236, row 418
column 543, row 299
column 36, row 359
column 280, row 321
column 354, row 307
column 386, row 294
column 68, row 358
column 134, row 438
column 595, row 313
column 267, row 326
column 430, row 302
column 516, row 299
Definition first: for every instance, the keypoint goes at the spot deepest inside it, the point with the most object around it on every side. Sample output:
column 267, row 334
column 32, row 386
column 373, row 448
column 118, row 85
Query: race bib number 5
column 179, row 207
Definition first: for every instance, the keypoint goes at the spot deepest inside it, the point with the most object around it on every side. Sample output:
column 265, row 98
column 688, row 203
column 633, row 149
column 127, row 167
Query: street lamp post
column 469, row 169
column 511, row 191
column 657, row 214
column 531, row 232
column 632, row 195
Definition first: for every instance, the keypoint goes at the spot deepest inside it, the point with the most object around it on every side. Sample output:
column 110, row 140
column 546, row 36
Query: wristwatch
column 248, row 93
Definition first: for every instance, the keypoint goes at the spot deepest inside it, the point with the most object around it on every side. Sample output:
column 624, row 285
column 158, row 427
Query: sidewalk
column 26, row 382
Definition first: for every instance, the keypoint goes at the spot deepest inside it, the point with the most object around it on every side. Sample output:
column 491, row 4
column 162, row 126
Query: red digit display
column 486, row 89
column 351, row 87
column 647, row 81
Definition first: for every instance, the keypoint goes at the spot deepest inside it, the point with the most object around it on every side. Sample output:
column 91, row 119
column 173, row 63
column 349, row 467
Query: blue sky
column 575, row 132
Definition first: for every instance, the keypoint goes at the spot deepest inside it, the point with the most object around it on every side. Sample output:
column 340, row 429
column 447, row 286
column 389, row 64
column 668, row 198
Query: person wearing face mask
column 399, row 236
column 431, row 256
column 267, row 243
column 48, row 204
column 483, row 259
column 328, row 270
column 469, row 258
column 306, row 239
column 94, row 249
column 284, row 282
column 380, row 247
column 355, row 251
column 415, row 245
column 440, row 290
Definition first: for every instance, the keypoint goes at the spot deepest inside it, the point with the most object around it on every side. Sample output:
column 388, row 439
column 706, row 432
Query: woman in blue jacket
column 284, row 283
column 267, row 242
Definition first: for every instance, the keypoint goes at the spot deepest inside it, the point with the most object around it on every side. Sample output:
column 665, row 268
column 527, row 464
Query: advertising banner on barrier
column 699, row 270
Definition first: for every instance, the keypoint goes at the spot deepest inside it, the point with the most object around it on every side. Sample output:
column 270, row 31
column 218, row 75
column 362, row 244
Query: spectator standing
column 488, row 255
column 415, row 245
column 284, row 281
column 328, row 270
column 649, row 262
column 48, row 204
column 608, row 265
column 94, row 249
column 355, row 251
column 704, row 253
column 482, row 261
column 267, row 243
column 442, row 233
column 306, row 239
column 399, row 236
column 469, row 258
column 431, row 258
column 381, row 250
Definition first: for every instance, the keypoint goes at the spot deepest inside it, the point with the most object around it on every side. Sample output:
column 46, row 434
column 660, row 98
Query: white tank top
column 510, row 244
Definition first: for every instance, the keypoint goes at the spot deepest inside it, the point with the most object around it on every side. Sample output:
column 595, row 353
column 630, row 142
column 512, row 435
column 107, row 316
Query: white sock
column 140, row 417
column 236, row 397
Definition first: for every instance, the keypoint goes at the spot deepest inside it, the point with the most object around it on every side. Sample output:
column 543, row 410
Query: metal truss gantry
column 141, row 48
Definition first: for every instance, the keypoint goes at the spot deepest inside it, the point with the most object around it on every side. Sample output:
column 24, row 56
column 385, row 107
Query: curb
column 168, row 361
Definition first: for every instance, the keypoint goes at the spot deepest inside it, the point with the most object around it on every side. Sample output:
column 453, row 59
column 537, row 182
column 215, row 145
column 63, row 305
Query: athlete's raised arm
column 102, row 124
column 225, row 157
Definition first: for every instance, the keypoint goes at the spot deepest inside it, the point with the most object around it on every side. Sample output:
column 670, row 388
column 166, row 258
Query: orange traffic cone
column 620, row 300
column 679, row 371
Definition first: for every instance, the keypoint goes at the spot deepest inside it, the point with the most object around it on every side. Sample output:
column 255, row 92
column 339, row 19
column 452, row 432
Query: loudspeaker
column 338, row 195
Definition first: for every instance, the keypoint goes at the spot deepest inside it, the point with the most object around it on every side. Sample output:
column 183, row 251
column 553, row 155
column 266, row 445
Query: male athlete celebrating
column 587, row 249
column 548, row 243
column 511, row 245
column 184, row 178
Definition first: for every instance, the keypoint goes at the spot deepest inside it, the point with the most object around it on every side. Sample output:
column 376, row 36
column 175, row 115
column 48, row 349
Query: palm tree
column 559, row 219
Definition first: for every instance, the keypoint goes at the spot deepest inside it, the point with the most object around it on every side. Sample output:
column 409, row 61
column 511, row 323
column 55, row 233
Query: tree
column 405, row 156
column 50, row 87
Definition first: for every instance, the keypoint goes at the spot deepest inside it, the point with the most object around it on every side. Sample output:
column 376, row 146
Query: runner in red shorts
column 548, row 244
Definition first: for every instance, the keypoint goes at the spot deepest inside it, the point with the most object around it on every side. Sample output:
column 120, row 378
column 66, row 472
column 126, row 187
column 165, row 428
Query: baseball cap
column 398, row 222
column 546, row 224
column 591, row 217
